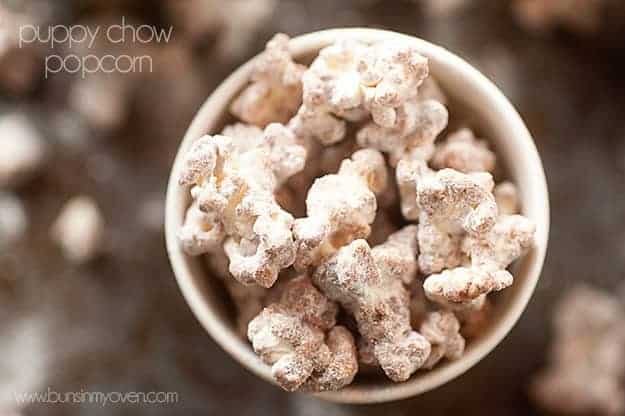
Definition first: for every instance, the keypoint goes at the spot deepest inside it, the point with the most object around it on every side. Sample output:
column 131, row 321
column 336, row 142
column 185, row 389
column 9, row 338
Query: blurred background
column 99, row 310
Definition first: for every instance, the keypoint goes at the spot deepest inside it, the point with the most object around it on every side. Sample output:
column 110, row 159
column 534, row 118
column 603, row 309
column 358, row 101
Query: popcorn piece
column 13, row 219
column 511, row 236
column 269, row 249
column 315, row 123
column 336, row 217
column 287, row 157
column 343, row 364
column 464, row 153
column 276, row 90
column 366, row 283
column 507, row 198
column 289, row 336
column 441, row 329
column 23, row 149
column 464, row 284
column 586, row 368
column 438, row 250
column 201, row 160
column 201, row 232
column 399, row 252
column 330, row 86
column 235, row 184
column 392, row 72
column 350, row 79
column 417, row 125
column 79, row 229
column 445, row 207
column 456, row 202
column 490, row 254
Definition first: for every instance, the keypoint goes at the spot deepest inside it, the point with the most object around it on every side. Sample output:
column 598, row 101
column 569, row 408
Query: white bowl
column 495, row 117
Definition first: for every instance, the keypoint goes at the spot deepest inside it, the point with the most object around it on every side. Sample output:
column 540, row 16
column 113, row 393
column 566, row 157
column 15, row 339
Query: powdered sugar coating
column 461, row 151
column 464, row 284
column 438, row 250
column 373, row 292
column 201, row 232
column 442, row 330
column 275, row 93
column 417, row 125
column 456, row 202
column 250, row 181
column 290, row 336
column 490, row 253
column 343, row 364
column 350, row 80
column 336, row 217
column 398, row 255
column 234, row 186
column 509, row 238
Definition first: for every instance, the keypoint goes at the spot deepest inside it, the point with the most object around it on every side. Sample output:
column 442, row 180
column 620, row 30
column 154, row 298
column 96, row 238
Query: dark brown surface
column 120, row 324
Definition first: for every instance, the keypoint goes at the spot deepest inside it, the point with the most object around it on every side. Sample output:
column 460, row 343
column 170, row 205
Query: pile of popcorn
column 358, row 130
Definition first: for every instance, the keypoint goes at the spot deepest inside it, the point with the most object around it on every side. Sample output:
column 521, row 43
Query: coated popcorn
column 464, row 153
column 276, row 89
column 442, row 330
column 368, row 284
column 336, row 217
column 290, row 336
column 350, row 80
column 234, row 186
column 354, row 234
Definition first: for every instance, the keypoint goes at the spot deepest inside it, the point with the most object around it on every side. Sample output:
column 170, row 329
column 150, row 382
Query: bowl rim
column 190, row 285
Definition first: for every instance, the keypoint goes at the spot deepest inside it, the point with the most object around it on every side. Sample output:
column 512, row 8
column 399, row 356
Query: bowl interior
column 490, row 114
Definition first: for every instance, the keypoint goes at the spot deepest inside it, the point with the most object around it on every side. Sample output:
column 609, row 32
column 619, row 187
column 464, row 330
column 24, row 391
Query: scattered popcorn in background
column 586, row 367
column 13, row 219
column 23, row 149
column 79, row 229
